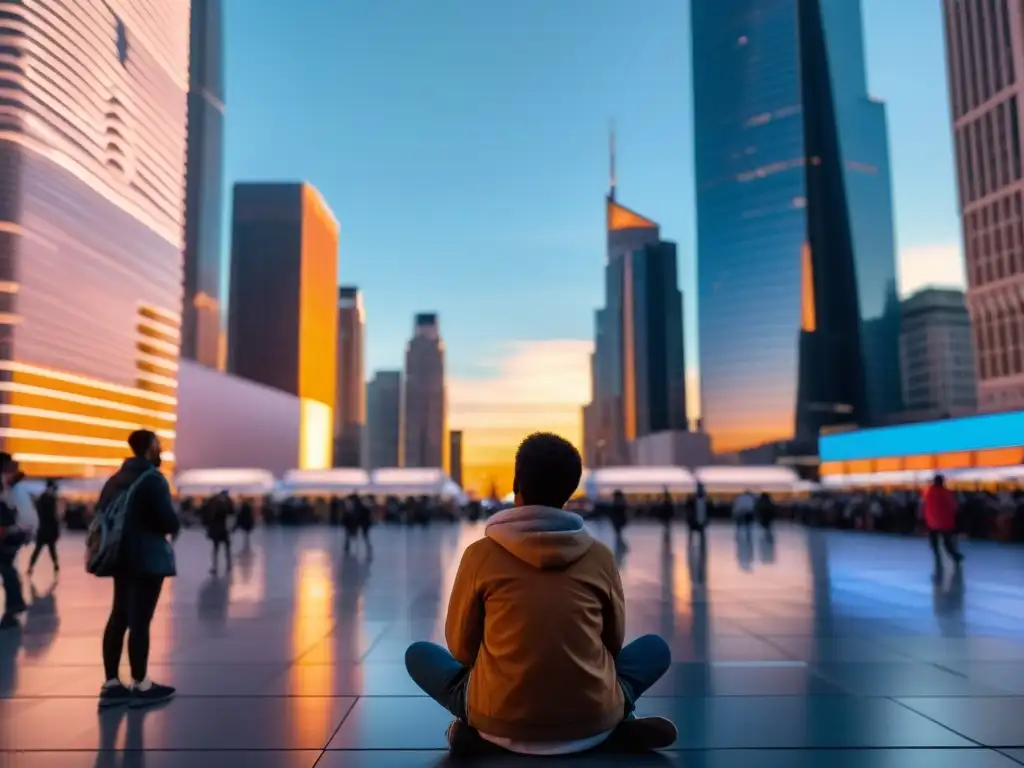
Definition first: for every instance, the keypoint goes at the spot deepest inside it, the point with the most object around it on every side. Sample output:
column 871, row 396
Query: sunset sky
column 463, row 147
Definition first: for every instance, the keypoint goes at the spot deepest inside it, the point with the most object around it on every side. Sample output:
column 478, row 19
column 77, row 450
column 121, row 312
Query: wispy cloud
column 535, row 385
column 932, row 265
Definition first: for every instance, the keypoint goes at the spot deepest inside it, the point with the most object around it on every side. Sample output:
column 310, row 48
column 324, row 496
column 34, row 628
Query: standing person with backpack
column 128, row 541
column 18, row 522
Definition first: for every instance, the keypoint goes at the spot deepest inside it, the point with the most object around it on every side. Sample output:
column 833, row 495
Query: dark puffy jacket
column 49, row 519
column 145, row 550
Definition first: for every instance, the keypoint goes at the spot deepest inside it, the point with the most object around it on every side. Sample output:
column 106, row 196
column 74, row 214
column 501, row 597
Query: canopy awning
column 341, row 481
column 239, row 482
column 604, row 481
column 756, row 479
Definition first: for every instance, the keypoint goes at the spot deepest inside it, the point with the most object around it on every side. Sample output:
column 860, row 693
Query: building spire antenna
column 612, row 178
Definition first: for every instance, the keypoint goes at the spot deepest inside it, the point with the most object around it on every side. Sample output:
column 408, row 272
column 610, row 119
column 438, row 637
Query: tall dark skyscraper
column 384, row 419
column 425, row 423
column 201, row 323
column 350, row 405
column 638, row 369
column 799, row 316
column 283, row 317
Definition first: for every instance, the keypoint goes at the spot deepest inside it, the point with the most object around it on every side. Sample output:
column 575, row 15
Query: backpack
column 106, row 531
column 11, row 541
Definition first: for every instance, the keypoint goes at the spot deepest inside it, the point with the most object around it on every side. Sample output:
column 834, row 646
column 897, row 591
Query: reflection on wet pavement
column 822, row 649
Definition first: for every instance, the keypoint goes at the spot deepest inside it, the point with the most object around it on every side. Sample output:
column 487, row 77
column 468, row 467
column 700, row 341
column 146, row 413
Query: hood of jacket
column 544, row 537
column 132, row 469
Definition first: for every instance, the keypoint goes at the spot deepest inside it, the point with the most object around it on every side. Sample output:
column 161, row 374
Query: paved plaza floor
column 829, row 649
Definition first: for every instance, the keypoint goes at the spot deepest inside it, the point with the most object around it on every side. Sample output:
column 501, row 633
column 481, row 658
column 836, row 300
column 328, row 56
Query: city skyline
column 559, row 241
column 440, row 159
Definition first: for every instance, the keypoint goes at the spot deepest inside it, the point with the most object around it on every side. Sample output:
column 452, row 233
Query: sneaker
column 465, row 740
column 148, row 693
column 114, row 695
column 643, row 734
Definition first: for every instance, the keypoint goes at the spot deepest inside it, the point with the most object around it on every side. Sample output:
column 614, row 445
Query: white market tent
column 69, row 488
column 604, row 481
column 239, row 482
column 737, row 479
column 408, row 481
column 325, row 482
column 1012, row 474
column 877, row 479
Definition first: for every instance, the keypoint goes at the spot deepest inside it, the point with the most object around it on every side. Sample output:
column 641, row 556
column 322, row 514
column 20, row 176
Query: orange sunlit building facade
column 92, row 148
column 283, row 311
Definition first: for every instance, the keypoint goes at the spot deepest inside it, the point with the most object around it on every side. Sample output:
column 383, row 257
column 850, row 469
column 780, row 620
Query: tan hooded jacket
column 537, row 611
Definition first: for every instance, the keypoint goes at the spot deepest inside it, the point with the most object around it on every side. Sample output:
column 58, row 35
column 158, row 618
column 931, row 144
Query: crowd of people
column 543, row 676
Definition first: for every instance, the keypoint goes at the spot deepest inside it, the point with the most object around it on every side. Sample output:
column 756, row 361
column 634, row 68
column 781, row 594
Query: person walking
column 144, row 559
column 245, row 521
column 49, row 528
column 766, row 514
column 217, row 517
column 743, row 508
column 666, row 512
column 940, row 508
column 698, row 517
column 18, row 522
column 618, row 513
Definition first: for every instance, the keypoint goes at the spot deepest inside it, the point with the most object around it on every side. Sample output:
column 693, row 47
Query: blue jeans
column 639, row 666
column 14, row 600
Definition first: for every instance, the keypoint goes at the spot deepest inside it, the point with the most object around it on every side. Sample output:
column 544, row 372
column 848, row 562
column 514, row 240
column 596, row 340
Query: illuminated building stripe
column 45, row 458
column 56, row 394
column 157, row 344
column 159, row 362
column 156, row 378
column 14, row 367
column 77, row 418
column 60, row 437
column 173, row 318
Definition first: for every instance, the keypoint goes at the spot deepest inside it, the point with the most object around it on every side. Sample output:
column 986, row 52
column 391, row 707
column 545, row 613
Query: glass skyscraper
column 201, row 323
column 638, row 371
column 798, row 311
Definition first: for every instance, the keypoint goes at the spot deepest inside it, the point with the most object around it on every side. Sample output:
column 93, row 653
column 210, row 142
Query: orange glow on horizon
column 535, row 386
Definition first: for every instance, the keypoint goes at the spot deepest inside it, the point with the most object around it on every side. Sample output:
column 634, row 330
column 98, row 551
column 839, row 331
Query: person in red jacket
column 940, row 517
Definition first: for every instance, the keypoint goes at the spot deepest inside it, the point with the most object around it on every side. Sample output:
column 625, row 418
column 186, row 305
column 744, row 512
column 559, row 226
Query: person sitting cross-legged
column 536, row 625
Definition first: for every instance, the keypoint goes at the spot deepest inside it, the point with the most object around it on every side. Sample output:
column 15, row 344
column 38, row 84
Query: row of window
column 997, row 338
column 988, row 152
column 979, row 41
column 995, row 241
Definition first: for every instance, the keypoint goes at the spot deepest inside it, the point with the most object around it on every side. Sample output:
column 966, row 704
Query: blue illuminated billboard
column 974, row 433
